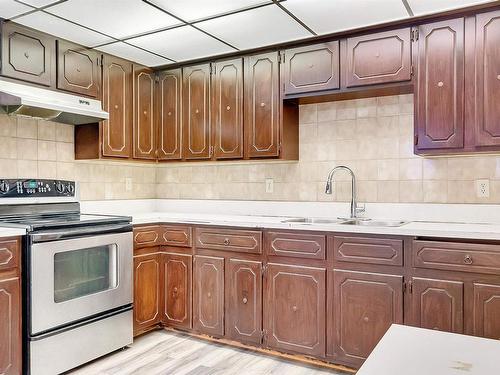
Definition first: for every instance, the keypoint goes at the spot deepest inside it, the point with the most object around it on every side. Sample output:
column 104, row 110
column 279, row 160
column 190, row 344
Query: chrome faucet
column 355, row 209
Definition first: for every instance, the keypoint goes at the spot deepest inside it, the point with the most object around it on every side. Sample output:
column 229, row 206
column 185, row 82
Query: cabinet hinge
column 281, row 57
column 414, row 35
column 415, row 140
column 264, row 268
column 412, row 71
column 211, row 69
column 408, row 287
column 263, row 334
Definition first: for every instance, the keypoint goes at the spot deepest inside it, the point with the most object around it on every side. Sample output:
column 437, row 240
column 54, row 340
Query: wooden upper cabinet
column 438, row 304
column 311, row 68
column 486, row 311
column 439, row 98
column 169, row 107
column 176, row 288
column 294, row 313
column 262, row 105
column 144, row 126
column 227, row 109
column 117, row 101
column 78, row 69
column 196, row 111
column 366, row 304
column 28, row 55
column 208, row 295
column 244, row 301
column 378, row 58
column 488, row 79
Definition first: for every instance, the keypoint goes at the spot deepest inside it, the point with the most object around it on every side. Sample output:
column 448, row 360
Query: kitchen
column 250, row 186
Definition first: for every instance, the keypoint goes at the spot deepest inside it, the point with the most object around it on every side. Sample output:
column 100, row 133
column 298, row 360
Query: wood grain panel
column 144, row 124
column 10, row 326
column 9, row 254
column 368, row 250
column 147, row 289
column 296, row 245
column 176, row 235
column 242, row 241
column 177, row 290
column 486, row 310
column 169, row 110
column 147, row 236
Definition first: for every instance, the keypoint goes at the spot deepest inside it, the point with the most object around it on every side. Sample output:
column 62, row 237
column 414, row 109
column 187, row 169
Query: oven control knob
column 71, row 188
column 4, row 187
column 60, row 188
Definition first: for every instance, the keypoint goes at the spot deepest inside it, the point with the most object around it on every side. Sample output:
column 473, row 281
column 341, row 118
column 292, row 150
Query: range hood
column 24, row 100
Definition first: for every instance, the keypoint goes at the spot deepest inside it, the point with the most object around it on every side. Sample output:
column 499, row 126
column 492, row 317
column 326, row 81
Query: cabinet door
column 196, row 111
column 117, row 101
column 366, row 304
column 486, row 311
column 488, row 79
column 439, row 99
column 244, row 301
column 438, row 304
column 10, row 326
column 177, row 289
column 78, row 69
column 294, row 310
column 311, row 68
column 378, row 58
column 228, row 109
column 208, row 314
column 28, row 55
column 262, row 105
column 146, row 291
column 144, row 126
column 169, row 114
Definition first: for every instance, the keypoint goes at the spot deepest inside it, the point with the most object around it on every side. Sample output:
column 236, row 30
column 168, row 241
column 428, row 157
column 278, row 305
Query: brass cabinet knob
column 262, row 104
column 78, row 70
column 366, row 319
column 468, row 259
column 175, row 289
column 169, row 113
column 311, row 66
column 245, row 300
column 145, row 112
column 440, row 84
column 209, row 295
column 27, row 55
column 294, row 308
column 116, row 106
column 226, row 241
column 197, row 110
column 498, row 77
column 228, row 108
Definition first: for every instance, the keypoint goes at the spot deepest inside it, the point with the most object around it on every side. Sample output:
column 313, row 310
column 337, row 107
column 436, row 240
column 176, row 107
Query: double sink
column 361, row 222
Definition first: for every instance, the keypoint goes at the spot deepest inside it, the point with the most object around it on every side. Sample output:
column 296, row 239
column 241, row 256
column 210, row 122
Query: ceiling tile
column 62, row 29
column 255, row 28
column 182, row 43
column 420, row 7
column 117, row 18
column 39, row 3
column 134, row 54
column 11, row 8
column 190, row 10
column 326, row 16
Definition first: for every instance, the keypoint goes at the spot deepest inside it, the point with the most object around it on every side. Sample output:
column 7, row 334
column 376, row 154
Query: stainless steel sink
column 375, row 223
column 312, row 220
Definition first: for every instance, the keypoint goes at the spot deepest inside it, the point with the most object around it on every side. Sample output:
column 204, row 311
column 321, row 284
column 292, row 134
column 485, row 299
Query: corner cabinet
column 169, row 114
column 144, row 129
column 196, row 112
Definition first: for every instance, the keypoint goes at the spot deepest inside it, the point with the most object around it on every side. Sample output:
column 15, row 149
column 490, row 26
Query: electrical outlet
column 128, row 184
column 483, row 188
column 269, row 185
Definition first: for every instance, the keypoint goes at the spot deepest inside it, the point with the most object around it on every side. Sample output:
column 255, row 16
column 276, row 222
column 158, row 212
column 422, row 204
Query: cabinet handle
column 498, row 77
column 311, row 66
column 145, row 112
column 245, row 300
column 294, row 308
column 226, row 241
column 197, row 110
column 209, row 295
column 116, row 106
column 366, row 319
column 175, row 289
column 78, row 70
column 26, row 54
column 228, row 108
column 169, row 113
column 440, row 84
column 468, row 259
column 262, row 104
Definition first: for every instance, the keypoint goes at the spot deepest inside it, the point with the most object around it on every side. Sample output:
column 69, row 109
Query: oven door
column 74, row 279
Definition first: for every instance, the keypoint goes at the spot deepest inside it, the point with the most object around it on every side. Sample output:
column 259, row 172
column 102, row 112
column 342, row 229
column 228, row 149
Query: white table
column 416, row 351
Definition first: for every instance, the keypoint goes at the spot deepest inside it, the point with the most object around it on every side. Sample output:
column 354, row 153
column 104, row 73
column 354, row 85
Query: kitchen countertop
column 416, row 351
column 11, row 232
column 415, row 228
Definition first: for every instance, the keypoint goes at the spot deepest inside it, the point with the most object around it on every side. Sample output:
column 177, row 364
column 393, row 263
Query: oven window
column 83, row 272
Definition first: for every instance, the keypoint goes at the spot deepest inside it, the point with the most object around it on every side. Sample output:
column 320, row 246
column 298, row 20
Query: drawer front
column 456, row 256
column 242, row 241
column 296, row 245
column 369, row 250
column 147, row 236
column 9, row 254
column 176, row 235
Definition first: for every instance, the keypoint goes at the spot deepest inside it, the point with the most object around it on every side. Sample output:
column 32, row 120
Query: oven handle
column 79, row 232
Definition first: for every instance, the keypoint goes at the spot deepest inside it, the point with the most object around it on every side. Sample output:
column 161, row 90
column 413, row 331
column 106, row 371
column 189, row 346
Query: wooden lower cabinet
column 176, row 286
column 147, row 270
column 244, row 301
column 10, row 326
column 294, row 309
column 486, row 310
column 208, row 301
column 438, row 304
column 365, row 306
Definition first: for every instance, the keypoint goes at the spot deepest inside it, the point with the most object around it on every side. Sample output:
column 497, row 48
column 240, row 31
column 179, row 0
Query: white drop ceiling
column 162, row 32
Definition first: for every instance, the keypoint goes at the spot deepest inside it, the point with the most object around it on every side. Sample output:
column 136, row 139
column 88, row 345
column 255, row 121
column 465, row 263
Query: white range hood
column 24, row 100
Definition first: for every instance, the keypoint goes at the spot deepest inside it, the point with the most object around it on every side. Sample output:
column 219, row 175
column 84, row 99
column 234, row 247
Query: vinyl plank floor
column 164, row 352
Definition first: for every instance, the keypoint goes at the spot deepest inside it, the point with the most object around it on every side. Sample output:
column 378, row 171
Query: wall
column 31, row 149
column 372, row 136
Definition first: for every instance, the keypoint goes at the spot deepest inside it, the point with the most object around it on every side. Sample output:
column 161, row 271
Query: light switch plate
column 483, row 188
column 128, row 184
column 269, row 185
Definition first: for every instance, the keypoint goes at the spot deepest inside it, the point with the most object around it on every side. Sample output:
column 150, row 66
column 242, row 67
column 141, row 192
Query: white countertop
column 418, row 229
column 11, row 232
column 417, row 351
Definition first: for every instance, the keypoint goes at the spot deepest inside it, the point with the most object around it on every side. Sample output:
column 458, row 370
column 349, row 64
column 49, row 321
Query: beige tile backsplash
column 372, row 136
